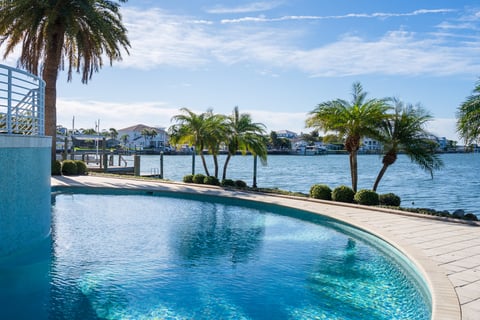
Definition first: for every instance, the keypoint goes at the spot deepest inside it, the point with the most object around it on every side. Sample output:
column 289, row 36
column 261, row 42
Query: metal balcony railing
column 22, row 102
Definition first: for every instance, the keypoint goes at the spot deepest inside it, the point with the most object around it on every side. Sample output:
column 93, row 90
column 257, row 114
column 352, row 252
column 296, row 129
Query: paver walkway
column 446, row 253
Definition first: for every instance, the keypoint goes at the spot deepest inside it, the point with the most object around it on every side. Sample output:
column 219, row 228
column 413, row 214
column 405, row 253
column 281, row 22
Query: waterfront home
column 370, row 145
column 286, row 134
column 141, row 136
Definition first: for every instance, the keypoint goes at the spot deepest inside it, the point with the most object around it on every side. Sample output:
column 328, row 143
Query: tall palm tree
column 244, row 135
column 468, row 117
column 190, row 129
column 214, row 133
column 351, row 120
column 404, row 131
column 57, row 33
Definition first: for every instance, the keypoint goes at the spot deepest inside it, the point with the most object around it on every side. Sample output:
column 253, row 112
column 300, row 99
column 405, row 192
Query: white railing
column 22, row 102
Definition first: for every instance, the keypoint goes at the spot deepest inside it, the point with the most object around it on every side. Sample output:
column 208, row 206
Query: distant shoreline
column 269, row 152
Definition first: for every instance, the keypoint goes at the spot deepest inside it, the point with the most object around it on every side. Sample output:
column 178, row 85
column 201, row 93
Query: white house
column 370, row 145
column 286, row 134
column 141, row 136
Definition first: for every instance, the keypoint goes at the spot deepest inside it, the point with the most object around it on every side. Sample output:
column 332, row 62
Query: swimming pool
column 171, row 256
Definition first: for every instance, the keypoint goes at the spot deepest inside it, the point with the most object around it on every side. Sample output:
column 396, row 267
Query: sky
column 277, row 60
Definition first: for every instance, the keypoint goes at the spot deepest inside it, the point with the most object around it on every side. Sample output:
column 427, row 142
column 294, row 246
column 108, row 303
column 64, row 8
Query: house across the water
column 140, row 136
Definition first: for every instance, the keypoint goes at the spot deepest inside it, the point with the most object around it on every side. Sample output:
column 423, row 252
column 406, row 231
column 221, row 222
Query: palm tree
column 145, row 133
column 404, row 131
column 148, row 134
column 190, row 129
column 214, row 133
column 124, row 138
column 89, row 131
column 58, row 33
column 352, row 120
column 244, row 135
column 468, row 117
column 113, row 133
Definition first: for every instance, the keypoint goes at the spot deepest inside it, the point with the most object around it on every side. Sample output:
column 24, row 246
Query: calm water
column 456, row 186
column 155, row 257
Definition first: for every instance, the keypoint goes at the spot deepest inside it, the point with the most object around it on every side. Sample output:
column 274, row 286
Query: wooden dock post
column 161, row 165
column 104, row 155
column 136, row 165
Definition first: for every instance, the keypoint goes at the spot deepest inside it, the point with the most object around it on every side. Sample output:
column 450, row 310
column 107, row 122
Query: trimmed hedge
column 211, row 180
column 389, row 199
column 343, row 194
column 56, row 168
column 81, row 167
column 69, row 168
column 228, row 183
column 199, row 178
column 321, row 191
column 366, row 197
column 188, row 178
column 240, row 184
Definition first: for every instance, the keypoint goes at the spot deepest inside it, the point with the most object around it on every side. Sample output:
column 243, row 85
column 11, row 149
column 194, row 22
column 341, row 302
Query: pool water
column 162, row 257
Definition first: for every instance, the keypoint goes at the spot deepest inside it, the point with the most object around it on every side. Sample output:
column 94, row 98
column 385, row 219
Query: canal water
column 455, row 186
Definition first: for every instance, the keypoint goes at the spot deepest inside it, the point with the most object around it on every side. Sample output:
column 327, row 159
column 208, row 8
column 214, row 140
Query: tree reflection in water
column 220, row 231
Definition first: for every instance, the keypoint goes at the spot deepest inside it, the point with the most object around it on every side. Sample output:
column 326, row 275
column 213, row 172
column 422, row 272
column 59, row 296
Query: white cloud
column 293, row 121
column 396, row 53
column 12, row 59
column 160, row 39
column 376, row 15
column 444, row 127
column 116, row 115
column 121, row 115
column 251, row 7
column 457, row 26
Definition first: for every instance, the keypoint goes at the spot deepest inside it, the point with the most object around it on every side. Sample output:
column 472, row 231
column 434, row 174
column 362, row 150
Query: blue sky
column 278, row 59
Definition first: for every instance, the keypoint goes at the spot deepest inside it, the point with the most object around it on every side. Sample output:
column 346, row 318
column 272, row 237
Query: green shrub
column 321, row 191
column 240, row 184
column 199, row 178
column 56, row 168
column 470, row 216
column 389, row 199
column 69, row 168
column 211, row 180
column 343, row 194
column 366, row 197
column 188, row 178
column 81, row 167
column 228, row 183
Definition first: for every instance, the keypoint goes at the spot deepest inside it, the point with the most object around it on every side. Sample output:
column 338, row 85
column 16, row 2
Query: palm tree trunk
column 227, row 160
column 204, row 163
column 354, row 169
column 51, row 108
column 215, row 163
column 50, row 75
column 380, row 175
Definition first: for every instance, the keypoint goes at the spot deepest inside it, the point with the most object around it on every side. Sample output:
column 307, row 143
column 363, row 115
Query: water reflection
column 220, row 231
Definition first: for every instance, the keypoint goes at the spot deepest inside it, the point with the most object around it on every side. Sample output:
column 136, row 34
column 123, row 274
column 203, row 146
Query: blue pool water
column 132, row 256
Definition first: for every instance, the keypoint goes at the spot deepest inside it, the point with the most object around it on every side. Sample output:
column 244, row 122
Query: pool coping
column 377, row 221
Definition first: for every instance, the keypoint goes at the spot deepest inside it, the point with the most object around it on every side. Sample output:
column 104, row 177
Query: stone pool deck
column 447, row 253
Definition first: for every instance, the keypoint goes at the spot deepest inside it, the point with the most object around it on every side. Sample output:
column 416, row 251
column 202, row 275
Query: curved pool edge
column 445, row 302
